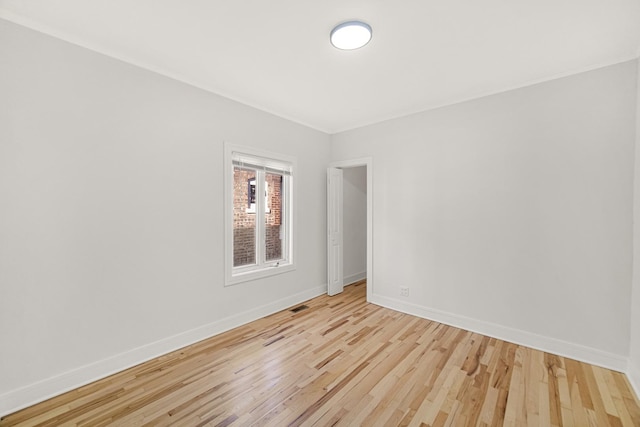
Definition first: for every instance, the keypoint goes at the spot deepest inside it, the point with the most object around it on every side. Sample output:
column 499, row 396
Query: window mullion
column 260, row 219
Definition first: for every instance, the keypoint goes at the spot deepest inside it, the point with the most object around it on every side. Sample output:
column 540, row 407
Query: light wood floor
column 345, row 362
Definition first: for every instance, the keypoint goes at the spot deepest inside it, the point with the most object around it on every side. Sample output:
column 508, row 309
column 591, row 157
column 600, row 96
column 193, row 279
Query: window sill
column 258, row 274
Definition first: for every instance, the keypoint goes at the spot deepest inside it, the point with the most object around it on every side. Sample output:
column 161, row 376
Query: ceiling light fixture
column 351, row 35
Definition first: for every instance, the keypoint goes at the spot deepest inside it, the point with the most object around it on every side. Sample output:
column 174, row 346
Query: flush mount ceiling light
column 351, row 35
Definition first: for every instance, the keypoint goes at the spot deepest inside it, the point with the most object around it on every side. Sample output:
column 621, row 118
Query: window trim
column 235, row 275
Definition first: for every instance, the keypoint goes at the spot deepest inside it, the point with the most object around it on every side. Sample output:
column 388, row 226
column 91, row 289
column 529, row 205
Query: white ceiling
column 275, row 55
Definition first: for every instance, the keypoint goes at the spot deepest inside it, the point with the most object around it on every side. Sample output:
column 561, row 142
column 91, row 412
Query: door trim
column 368, row 162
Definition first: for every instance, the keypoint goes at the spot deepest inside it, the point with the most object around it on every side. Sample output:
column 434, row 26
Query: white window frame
column 262, row 268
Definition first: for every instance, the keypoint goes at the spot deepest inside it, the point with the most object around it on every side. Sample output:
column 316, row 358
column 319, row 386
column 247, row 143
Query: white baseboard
column 633, row 375
column 527, row 339
column 50, row 387
column 352, row 278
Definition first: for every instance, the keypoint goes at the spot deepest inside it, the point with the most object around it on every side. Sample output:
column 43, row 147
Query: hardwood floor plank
column 343, row 361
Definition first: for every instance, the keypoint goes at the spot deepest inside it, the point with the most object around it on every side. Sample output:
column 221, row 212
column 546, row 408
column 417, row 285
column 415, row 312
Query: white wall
column 634, row 360
column 355, row 224
column 511, row 214
column 111, row 215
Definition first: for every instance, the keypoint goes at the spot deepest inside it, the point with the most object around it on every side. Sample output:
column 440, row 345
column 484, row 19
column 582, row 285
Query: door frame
column 368, row 163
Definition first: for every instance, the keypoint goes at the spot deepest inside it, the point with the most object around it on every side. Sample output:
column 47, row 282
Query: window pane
column 244, row 217
column 274, row 226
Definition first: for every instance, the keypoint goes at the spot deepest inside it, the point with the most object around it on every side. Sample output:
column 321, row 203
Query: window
column 259, row 230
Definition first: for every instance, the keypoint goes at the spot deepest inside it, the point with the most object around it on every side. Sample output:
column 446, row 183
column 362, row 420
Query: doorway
column 350, row 224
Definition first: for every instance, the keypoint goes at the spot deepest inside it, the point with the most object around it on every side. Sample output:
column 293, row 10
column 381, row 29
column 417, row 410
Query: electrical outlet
column 404, row 291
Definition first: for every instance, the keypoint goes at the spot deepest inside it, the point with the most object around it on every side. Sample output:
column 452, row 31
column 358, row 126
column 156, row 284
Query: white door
column 334, row 231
